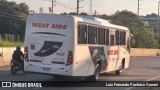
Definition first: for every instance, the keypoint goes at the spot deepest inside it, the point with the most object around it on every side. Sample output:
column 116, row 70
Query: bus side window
column 92, row 35
column 101, row 36
column 112, row 40
column 82, row 34
column 107, row 36
column 117, row 37
column 122, row 38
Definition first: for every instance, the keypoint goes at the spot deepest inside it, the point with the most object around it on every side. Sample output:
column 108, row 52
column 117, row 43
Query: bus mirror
column 133, row 42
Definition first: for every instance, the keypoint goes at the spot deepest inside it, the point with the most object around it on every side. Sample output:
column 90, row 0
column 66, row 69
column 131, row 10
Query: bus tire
column 96, row 75
column 118, row 72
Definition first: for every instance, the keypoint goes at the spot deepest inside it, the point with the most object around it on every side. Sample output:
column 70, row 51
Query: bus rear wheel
column 118, row 72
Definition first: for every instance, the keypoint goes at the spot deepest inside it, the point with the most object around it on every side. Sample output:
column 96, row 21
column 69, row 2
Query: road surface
column 141, row 69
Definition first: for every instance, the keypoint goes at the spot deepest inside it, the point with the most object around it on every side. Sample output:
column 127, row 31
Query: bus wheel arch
column 123, row 63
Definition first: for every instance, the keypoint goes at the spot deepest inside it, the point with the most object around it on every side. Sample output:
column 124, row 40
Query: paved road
column 141, row 69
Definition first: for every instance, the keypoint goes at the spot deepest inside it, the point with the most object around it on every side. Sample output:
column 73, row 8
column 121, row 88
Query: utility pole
column 90, row 7
column 78, row 6
column 41, row 10
column 158, row 17
column 52, row 6
column 95, row 13
column 158, row 11
column 138, row 9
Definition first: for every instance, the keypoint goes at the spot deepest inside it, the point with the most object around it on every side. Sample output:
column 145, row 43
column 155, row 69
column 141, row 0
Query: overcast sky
column 101, row 6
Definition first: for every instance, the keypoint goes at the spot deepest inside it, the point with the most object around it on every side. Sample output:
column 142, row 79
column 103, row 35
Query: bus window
column 117, row 37
column 107, row 36
column 92, row 35
column 82, row 34
column 112, row 40
column 122, row 38
column 101, row 36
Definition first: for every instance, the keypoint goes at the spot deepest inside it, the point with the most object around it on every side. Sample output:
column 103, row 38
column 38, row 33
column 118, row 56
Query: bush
column 11, row 44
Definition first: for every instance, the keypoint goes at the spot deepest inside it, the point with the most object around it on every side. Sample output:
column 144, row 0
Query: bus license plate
column 46, row 69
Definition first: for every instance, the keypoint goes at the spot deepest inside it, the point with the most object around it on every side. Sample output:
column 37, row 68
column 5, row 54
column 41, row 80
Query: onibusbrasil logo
column 20, row 84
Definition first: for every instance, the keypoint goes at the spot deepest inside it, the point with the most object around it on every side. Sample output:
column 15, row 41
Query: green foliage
column 104, row 16
column 64, row 13
column 153, row 15
column 156, row 30
column 15, row 20
column 85, row 14
column 10, row 44
column 128, row 19
column 13, row 17
column 144, row 38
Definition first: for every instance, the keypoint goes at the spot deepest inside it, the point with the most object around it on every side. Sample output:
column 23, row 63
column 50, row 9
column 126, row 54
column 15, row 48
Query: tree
column 63, row 13
column 85, row 14
column 13, row 17
column 72, row 13
column 24, row 8
column 128, row 19
column 156, row 30
column 104, row 16
column 144, row 38
column 153, row 15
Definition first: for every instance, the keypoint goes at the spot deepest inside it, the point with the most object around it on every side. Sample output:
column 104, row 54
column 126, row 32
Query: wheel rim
column 120, row 70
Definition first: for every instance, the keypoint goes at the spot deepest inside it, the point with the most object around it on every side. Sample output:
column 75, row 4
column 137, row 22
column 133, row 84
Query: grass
column 10, row 44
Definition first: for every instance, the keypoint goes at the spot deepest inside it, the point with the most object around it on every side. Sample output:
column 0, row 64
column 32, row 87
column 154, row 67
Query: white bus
column 75, row 46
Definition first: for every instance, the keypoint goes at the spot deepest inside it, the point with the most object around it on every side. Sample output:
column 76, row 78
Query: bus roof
column 99, row 21
column 91, row 20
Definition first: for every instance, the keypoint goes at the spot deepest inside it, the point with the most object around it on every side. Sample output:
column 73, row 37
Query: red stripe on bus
column 112, row 52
